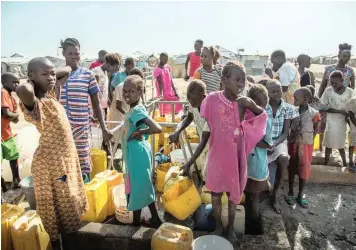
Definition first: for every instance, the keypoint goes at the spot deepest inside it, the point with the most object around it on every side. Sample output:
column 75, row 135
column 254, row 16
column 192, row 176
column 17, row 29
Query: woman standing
column 209, row 72
column 165, row 86
column 74, row 96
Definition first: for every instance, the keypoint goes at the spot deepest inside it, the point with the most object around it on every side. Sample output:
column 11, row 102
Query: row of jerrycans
column 22, row 230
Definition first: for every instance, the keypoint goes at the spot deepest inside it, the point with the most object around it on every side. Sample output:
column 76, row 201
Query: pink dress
column 230, row 142
column 168, row 92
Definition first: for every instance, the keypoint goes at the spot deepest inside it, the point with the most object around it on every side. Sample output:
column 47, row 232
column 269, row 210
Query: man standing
column 193, row 59
column 100, row 61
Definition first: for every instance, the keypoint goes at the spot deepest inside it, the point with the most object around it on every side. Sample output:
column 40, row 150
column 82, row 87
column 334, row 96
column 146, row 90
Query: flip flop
column 303, row 202
column 290, row 199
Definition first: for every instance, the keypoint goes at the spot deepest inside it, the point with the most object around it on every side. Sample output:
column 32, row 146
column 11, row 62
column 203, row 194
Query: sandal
column 303, row 202
column 290, row 200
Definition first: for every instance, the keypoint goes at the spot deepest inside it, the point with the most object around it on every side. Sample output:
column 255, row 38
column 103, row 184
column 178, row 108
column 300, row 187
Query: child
column 306, row 76
column 301, row 143
column 209, row 73
column 257, row 166
column 281, row 114
column 137, row 153
column 351, row 108
column 9, row 114
column 226, row 170
column 57, row 176
column 165, row 87
column 336, row 98
column 196, row 93
column 193, row 59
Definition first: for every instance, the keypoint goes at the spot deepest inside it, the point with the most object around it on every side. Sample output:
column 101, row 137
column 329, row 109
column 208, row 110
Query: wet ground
column 328, row 223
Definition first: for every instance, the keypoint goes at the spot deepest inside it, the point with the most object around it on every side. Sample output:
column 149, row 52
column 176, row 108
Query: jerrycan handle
column 24, row 225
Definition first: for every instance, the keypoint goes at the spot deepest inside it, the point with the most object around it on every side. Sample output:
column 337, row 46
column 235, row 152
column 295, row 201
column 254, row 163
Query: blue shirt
column 118, row 78
column 257, row 164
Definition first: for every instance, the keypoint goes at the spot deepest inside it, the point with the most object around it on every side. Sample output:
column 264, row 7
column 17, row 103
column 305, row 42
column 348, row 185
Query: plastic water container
column 161, row 171
column 28, row 233
column 204, row 219
column 9, row 214
column 99, row 161
column 27, row 187
column 166, row 149
column 182, row 199
column 122, row 214
column 172, row 237
column 239, row 223
column 178, row 156
column 206, row 197
column 113, row 179
column 97, row 195
column 172, row 177
column 211, row 242
column 316, row 142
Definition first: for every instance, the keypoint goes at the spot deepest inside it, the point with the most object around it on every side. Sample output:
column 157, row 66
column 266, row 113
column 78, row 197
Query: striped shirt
column 75, row 96
column 211, row 79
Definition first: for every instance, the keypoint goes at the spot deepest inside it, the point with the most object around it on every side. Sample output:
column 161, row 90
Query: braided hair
column 229, row 66
column 69, row 42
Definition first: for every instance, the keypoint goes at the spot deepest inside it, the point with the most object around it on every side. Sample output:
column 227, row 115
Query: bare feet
column 15, row 183
column 219, row 231
column 230, row 234
column 156, row 222
column 275, row 204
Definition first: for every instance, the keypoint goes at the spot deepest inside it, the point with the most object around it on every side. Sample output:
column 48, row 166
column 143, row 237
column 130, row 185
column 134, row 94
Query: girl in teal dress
column 137, row 153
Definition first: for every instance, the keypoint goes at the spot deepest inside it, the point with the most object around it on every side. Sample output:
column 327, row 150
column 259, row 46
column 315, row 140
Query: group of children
column 241, row 134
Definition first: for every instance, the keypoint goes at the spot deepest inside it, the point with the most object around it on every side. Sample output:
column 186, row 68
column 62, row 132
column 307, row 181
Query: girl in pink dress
column 235, row 124
column 165, row 86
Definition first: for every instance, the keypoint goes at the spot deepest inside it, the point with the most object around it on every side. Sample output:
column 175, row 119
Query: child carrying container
column 301, row 144
column 137, row 153
column 231, row 139
column 58, row 183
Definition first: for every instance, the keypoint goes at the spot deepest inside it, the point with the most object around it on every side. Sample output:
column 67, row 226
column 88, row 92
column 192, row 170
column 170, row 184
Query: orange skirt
column 300, row 159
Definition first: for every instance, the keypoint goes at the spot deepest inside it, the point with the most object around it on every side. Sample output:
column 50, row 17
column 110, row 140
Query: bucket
column 178, row 156
column 211, row 242
column 27, row 187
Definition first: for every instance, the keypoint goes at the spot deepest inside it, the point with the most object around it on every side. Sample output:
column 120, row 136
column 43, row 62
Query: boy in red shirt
column 9, row 114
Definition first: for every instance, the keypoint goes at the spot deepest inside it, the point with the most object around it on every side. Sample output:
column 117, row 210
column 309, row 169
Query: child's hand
column 16, row 120
column 93, row 120
column 186, row 168
column 271, row 149
column 136, row 135
column 174, row 137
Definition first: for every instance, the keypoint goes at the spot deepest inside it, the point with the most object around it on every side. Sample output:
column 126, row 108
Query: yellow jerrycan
column 99, row 161
column 161, row 171
column 182, row 199
column 9, row 214
column 97, row 195
column 28, row 233
column 172, row 177
column 172, row 237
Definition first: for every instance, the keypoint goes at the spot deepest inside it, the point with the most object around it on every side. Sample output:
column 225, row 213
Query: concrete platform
column 332, row 175
column 97, row 236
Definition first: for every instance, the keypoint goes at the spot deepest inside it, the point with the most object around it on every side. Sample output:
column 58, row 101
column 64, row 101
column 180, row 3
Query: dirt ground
column 330, row 221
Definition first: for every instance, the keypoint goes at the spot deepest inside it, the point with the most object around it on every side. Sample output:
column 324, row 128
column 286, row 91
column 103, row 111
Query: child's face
column 12, row 82
column 44, row 78
column 205, row 57
column 299, row 98
column 345, row 56
column 336, row 83
column 278, row 61
column 129, row 67
column 275, row 92
column 261, row 100
column 163, row 59
column 112, row 68
column 131, row 93
column 198, row 46
column 72, row 56
column 195, row 98
column 236, row 81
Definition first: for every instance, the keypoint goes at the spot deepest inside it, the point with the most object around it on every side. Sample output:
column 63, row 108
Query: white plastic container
column 122, row 214
column 178, row 156
column 239, row 223
column 211, row 242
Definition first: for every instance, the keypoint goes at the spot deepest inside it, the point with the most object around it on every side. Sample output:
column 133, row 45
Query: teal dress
column 138, row 161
